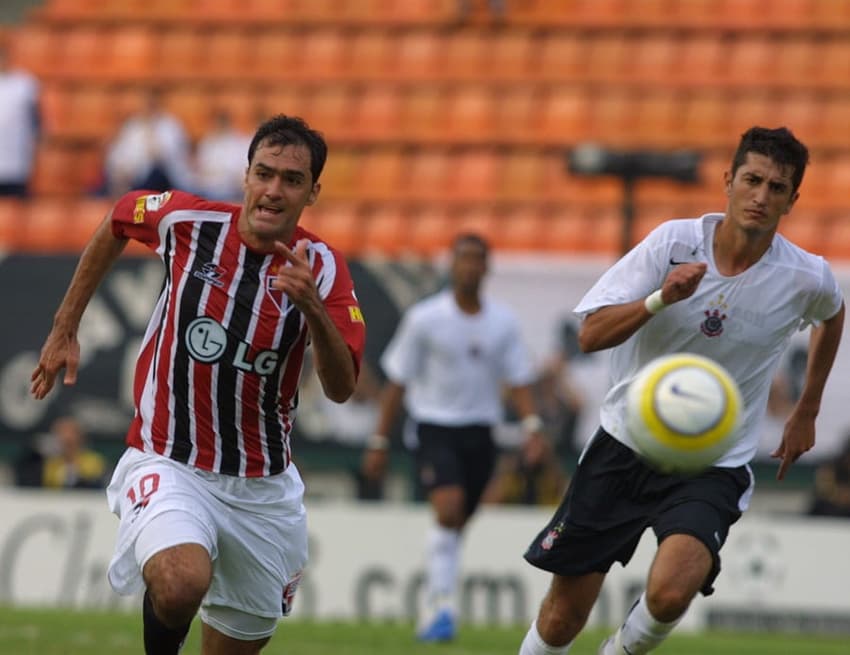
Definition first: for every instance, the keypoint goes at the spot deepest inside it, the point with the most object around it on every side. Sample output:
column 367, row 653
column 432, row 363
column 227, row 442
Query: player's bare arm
column 612, row 325
column 61, row 348
column 333, row 360
column 798, row 437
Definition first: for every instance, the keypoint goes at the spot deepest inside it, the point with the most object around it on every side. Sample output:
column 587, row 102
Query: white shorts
column 255, row 530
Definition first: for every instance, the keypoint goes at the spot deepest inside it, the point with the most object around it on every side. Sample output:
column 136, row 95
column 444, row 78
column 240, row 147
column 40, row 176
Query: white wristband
column 654, row 303
column 531, row 424
column 378, row 442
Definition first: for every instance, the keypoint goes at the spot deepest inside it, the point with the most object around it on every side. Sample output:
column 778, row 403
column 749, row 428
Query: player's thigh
column 214, row 642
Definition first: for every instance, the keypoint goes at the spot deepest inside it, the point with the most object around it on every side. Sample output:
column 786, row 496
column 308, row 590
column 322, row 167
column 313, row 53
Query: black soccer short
column 614, row 496
column 463, row 456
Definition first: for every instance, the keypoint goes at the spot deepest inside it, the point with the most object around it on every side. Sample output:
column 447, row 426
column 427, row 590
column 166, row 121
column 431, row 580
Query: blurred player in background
column 726, row 286
column 209, row 500
column 447, row 361
column 20, row 126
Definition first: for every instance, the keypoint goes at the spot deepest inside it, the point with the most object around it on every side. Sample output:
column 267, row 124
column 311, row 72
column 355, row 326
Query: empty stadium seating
column 436, row 123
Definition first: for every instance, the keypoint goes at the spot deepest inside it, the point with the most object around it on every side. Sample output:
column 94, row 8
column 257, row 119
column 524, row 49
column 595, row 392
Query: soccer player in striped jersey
column 209, row 501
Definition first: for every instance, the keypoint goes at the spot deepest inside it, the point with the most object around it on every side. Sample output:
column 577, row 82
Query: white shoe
column 613, row 645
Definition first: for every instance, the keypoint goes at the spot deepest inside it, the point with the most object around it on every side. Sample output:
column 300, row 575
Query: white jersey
column 743, row 321
column 452, row 364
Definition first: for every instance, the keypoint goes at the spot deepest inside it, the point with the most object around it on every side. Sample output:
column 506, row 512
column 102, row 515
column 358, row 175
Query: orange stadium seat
column 429, row 175
column 836, row 244
column 276, row 55
column 705, row 118
column 423, row 116
column 371, row 54
column 12, row 223
column 511, row 55
column 471, row 114
column 516, row 115
column 129, row 52
column 91, row 114
column 50, row 226
column 180, row 53
column 654, row 58
column 191, row 104
column 469, row 56
column 385, row 231
column 420, row 55
column 522, row 176
column 561, row 57
column 228, row 53
column 795, row 61
column 521, row 228
column 382, row 175
column 432, row 229
column 751, row 59
column 80, row 53
column 324, row 53
column 56, row 170
column 473, row 175
column 563, row 117
column 331, row 109
column 340, row 176
column 338, row 223
column 33, row 48
column 833, row 68
column 701, row 61
column 608, row 58
column 379, row 114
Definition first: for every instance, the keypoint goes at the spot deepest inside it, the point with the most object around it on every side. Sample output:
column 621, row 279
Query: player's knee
column 560, row 620
column 667, row 602
column 177, row 580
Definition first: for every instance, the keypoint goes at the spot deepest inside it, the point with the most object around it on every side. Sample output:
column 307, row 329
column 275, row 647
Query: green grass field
column 53, row 632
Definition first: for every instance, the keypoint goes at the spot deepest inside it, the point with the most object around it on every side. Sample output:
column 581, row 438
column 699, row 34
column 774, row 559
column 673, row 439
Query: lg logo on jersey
column 206, row 340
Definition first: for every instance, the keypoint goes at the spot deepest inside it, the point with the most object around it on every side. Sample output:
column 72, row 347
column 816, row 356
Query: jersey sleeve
column 402, row 357
column 828, row 300
column 137, row 215
column 637, row 274
column 344, row 309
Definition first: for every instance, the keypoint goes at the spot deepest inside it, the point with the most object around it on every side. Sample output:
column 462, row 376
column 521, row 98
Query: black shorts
column 614, row 496
column 462, row 456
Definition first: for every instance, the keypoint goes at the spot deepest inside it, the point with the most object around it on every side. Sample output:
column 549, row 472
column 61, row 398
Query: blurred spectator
column 220, row 159
column 832, row 485
column 19, row 127
column 529, row 476
column 150, row 151
column 69, row 464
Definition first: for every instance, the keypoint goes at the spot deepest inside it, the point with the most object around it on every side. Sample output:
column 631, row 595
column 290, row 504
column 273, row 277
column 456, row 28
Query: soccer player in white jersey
column 209, row 501
column 448, row 361
column 726, row 286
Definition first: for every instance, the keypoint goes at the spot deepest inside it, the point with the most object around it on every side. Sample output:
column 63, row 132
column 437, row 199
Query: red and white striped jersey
column 216, row 382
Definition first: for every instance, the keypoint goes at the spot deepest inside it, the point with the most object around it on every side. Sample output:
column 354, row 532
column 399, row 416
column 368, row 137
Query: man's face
column 278, row 185
column 469, row 265
column 760, row 193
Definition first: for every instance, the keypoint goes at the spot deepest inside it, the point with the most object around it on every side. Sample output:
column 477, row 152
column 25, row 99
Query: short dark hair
column 780, row 145
column 471, row 237
column 282, row 130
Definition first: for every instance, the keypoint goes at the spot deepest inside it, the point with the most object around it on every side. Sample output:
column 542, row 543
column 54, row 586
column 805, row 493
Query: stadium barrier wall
column 366, row 564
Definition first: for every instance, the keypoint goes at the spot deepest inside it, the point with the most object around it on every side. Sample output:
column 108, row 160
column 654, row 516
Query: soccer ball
column 682, row 411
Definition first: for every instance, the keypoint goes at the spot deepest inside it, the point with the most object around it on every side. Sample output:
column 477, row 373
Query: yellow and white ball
column 683, row 412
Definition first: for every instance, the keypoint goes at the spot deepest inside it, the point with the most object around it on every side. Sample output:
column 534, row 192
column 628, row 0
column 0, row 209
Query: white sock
column 533, row 644
column 641, row 632
column 442, row 563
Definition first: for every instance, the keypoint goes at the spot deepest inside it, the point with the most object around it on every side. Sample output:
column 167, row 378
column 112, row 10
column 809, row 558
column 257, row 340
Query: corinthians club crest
column 712, row 325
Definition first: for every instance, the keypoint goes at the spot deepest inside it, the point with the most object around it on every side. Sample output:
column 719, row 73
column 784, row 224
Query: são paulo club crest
column 712, row 325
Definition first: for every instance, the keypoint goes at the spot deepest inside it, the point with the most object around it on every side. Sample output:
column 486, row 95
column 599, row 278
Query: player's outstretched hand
column 295, row 279
column 798, row 438
column 60, row 350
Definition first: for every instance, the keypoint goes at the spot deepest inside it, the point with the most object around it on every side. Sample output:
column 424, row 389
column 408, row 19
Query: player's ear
column 314, row 193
